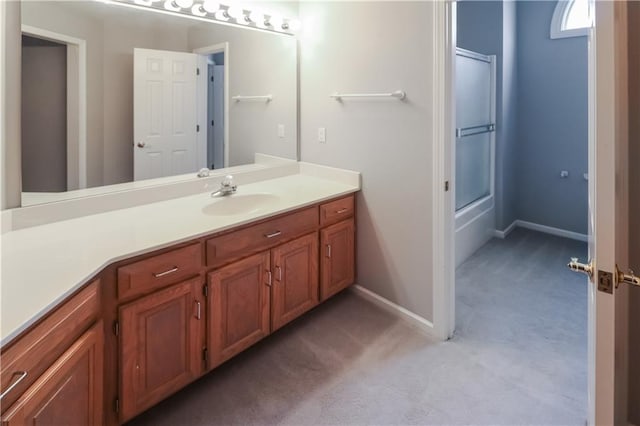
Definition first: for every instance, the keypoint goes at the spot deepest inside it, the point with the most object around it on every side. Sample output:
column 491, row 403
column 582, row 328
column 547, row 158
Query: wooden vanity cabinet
column 69, row 392
column 172, row 315
column 160, row 345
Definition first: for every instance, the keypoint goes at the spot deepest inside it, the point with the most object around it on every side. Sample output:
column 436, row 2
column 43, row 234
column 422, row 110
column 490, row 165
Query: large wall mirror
column 113, row 94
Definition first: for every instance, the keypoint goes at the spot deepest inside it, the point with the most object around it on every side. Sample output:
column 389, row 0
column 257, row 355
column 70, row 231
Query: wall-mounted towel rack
column 266, row 98
column 475, row 130
column 398, row 94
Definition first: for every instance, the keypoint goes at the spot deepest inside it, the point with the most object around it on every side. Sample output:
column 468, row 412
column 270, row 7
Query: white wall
column 260, row 64
column 376, row 47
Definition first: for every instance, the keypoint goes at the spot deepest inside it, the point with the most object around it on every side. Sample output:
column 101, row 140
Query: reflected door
column 475, row 105
column 165, row 119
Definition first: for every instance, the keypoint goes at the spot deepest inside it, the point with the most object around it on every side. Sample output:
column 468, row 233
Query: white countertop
column 43, row 265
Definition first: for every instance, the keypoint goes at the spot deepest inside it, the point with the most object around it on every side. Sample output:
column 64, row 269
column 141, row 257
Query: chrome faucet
column 226, row 187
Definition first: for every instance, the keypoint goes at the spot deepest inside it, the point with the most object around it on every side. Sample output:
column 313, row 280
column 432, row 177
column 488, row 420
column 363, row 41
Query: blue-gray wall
column 541, row 111
column 489, row 27
column 552, row 122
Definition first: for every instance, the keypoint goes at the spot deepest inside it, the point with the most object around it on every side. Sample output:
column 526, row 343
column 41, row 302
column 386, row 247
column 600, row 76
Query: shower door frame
column 481, row 210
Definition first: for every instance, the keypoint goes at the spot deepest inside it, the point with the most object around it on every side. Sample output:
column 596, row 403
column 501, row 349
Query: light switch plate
column 322, row 135
column 281, row 130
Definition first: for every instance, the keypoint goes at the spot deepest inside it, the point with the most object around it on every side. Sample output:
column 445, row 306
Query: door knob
column 141, row 144
column 585, row 268
column 629, row 278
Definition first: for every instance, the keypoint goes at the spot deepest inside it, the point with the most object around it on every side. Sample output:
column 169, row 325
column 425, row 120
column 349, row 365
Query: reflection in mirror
column 113, row 94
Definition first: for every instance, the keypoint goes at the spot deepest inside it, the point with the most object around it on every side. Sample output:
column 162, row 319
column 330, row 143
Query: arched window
column 572, row 18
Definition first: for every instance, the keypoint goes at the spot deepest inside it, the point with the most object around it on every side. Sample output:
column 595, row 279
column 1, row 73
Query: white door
column 608, row 210
column 165, row 114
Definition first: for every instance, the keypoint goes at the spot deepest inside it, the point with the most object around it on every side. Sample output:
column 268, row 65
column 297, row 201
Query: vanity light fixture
column 211, row 10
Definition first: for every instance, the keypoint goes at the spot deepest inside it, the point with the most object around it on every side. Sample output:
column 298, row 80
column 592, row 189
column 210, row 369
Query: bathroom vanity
column 178, row 287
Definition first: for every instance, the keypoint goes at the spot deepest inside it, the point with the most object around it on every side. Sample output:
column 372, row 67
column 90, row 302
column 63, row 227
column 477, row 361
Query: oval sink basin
column 239, row 204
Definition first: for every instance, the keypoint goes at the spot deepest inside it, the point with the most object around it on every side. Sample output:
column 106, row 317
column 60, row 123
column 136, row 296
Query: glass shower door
column 474, row 127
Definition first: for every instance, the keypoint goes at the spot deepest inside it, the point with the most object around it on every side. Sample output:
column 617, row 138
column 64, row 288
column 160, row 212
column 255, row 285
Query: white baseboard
column 412, row 319
column 540, row 228
column 553, row 231
column 507, row 231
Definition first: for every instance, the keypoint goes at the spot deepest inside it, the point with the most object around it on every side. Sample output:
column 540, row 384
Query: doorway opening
column 53, row 113
column 520, row 161
column 213, row 101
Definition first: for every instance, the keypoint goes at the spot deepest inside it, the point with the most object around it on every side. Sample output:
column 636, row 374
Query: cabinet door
column 239, row 306
column 160, row 345
column 70, row 391
column 295, row 279
column 338, row 258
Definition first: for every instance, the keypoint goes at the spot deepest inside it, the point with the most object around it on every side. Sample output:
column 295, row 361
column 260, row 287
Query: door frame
column 201, row 102
column 605, row 123
column 76, row 103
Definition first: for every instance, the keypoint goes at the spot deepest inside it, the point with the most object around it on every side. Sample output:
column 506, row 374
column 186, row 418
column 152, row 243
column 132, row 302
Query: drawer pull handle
column 198, row 313
column 328, row 250
column 170, row 271
column 269, row 278
column 279, row 273
column 342, row 210
column 22, row 375
column 273, row 234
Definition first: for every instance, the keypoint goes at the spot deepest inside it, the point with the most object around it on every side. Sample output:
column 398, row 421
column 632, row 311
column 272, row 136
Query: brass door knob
column 585, row 268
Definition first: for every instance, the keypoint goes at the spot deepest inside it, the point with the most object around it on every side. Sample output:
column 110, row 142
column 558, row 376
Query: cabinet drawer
column 158, row 271
column 223, row 249
column 34, row 352
column 337, row 210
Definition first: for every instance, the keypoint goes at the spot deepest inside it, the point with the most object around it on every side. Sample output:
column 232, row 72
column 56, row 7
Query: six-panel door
column 295, row 279
column 160, row 345
column 238, row 306
column 337, row 254
column 70, row 391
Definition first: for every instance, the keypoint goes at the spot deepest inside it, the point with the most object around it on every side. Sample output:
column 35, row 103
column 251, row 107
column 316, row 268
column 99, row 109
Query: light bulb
column 257, row 17
column 294, row 25
column 171, row 5
column 184, row 4
column 222, row 15
column 211, row 6
column 197, row 10
column 276, row 22
column 236, row 13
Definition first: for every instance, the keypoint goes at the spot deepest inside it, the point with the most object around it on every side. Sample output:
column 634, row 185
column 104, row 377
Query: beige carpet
column 518, row 357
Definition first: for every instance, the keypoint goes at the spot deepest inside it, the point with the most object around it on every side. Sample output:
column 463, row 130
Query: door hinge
column 197, row 71
column 197, row 127
column 446, row 185
column 205, row 290
column 211, row 78
column 205, row 354
column 116, row 328
column 212, row 123
column 605, row 282
column 116, row 405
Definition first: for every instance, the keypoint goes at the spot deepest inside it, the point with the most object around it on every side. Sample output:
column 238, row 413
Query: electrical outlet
column 281, row 130
column 322, row 135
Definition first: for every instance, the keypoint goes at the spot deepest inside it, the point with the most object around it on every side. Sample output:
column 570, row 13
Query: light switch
column 322, row 135
column 281, row 130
